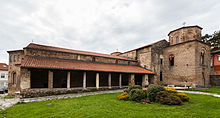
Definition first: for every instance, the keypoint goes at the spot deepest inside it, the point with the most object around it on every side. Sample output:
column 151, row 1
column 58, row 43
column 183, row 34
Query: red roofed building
column 216, row 62
column 40, row 69
column 3, row 75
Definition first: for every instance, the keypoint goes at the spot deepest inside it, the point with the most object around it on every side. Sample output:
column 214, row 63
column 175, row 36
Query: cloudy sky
column 99, row 25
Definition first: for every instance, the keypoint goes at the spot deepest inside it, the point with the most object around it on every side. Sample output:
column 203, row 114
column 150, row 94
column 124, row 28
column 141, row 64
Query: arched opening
column 13, row 77
column 171, row 59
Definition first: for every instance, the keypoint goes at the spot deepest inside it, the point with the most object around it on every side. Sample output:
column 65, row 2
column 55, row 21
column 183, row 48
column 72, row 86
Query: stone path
column 5, row 103
column 198, row 92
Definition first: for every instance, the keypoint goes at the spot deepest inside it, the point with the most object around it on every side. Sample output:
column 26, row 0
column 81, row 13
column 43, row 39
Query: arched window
column 202, row 57
column 177, row 39
column 13, row 77
column 171, row 59
column 10, row 58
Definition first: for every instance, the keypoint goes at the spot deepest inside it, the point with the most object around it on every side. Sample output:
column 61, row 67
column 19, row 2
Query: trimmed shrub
column 164, row 97
column 136, row 95
column 123, row 96
column 183, row 97
column 152, row 92
column 171, row 90
column 133, row 87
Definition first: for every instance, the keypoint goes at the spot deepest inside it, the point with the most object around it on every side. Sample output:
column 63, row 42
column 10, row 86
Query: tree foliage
column 213, row 39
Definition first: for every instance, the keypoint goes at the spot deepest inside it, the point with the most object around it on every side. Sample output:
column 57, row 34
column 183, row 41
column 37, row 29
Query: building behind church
column 41, row 70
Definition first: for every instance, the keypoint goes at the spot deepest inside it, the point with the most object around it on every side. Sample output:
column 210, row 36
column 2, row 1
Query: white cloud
column 98, row 25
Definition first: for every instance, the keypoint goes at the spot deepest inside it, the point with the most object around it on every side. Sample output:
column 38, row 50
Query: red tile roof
column 3, row 66
column 51, row 63
column 51, row 48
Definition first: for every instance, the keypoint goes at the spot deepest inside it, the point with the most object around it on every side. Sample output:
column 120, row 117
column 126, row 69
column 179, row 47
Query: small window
column 171, row 59
column 2, row 75
column 13, row 77
column 218, row 57
column 10, row 58
column 202, row 58
column 161, row 76
column 14, row 58
column 177, row 39
column 161, row 61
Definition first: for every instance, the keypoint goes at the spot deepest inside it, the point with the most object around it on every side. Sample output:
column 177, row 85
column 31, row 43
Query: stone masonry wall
column 185, row 34
column 203, row 71
column 186, row 70
column 64, row 55
column 130, row 54
column 15, row 59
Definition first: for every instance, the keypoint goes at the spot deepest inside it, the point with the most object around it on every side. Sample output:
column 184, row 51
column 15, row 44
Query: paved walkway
column 198, row 92
column 5, row 103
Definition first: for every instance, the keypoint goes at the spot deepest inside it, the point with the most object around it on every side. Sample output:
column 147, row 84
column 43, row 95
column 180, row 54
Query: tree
column 213, row 39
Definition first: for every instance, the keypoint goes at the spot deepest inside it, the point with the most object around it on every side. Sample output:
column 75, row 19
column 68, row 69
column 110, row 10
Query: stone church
column 38, row 70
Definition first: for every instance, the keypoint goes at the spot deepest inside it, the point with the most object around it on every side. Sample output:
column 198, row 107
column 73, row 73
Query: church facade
column 184, row 60
column 39, row 70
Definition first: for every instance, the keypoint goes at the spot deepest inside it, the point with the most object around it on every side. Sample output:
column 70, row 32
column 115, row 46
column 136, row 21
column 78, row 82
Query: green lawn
column 106, row 105
column 209, row 90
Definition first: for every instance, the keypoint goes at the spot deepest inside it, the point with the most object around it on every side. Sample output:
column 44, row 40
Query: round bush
column 152, row 92
column 136, row 95
column 164, row 97
column 133, row 87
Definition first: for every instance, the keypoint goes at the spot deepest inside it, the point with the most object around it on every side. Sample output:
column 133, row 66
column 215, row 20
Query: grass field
column 106, row 106
column 209, row 90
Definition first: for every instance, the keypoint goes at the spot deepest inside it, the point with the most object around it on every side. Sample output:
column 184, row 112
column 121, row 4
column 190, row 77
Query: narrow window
column 218, row 57
column 14, row 58
column 202, row 58
column 13, row 77
column 10, row 58
column 161, row 76
column 2, row 75
column 171, row 59
column 161, row 61
column 177, row 39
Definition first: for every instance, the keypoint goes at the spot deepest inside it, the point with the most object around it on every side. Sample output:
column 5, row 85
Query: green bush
column 133, row 87
column 152, row 92
column 164, row 97
column 136, row 95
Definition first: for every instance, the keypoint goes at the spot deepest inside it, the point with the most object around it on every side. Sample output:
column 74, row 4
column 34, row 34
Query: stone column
column 68, row 80
column 109, row 81
column 120, row 81
column 145, row 80
column 84, row 80
column 97, row 80
column 132, row 80
column 50, row 79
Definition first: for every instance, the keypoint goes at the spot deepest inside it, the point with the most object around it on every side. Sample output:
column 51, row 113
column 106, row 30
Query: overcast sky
column 99, row 25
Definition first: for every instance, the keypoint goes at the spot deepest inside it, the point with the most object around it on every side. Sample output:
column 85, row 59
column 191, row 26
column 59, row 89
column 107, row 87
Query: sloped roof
column 51, row 48
column 148, row 45
column 53, row 63
column 3, row 66
column 217, row 51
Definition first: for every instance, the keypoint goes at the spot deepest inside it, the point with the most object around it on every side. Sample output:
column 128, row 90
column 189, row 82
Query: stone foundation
column 28, row 93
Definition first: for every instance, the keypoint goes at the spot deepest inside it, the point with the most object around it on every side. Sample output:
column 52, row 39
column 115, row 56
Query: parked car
column 5, row 89
column 2, row 91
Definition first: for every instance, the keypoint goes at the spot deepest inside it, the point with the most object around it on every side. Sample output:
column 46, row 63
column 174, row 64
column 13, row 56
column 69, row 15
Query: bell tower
column 185, row 34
